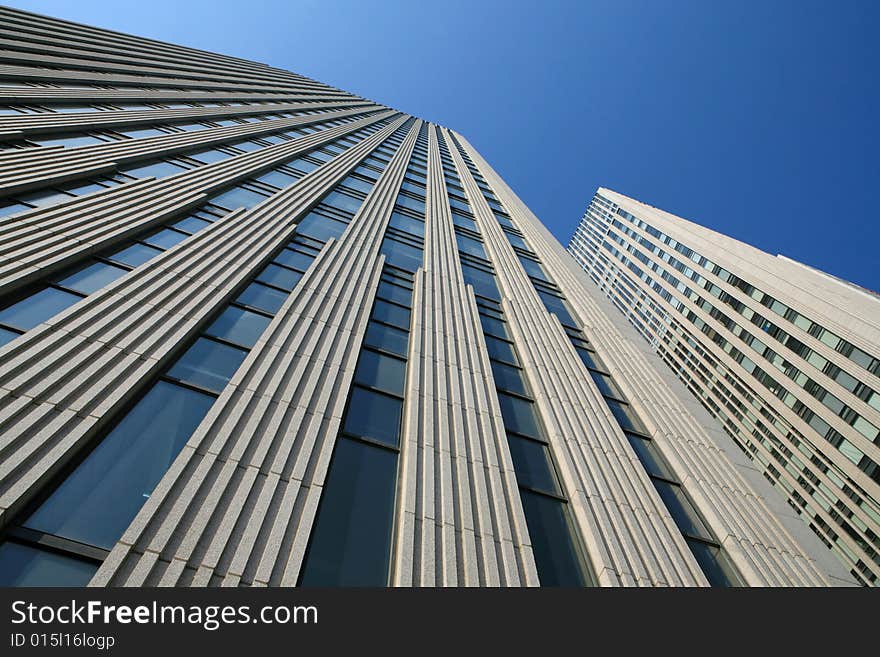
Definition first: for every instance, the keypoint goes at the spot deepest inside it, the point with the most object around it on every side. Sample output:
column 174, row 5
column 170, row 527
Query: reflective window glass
column 23, row 565
column 37, row 308
column 239, row 326
column 208, row 364
column 92, row 278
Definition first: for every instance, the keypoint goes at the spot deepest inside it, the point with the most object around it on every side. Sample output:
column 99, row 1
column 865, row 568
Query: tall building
column 784, row 356
column 262, row 332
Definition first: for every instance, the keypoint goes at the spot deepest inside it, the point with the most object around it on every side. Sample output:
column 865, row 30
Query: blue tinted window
column 208, row 364
column 279, row 276
column 411, row 204
column 470, row 246
column 37, row 308
column 532, row 464
column 390, row 292
column 381, row 371
column 165, row 238
column 519, row 415
column 68, row 142
column 373, row 415
column 626, row 416
column 209, row 156
column 191, row 224
column 387, row 338
column 238, row 197
column 261, row 297
column 351, row 540
column 303, row 165
column 98, row 500
column 483, row 283
column 294, row 259
column 401, row 255
column 23, row 565
column 557, row 556
column 407, row 224
column 500, row 350
column 508, row 378
column 155, row 170
column 342, row 201
column 7, row 336
column 240, row 326
column 92, row 278
column 391, row 314
column 277, row 178
column 320, row 227
column 135, row 255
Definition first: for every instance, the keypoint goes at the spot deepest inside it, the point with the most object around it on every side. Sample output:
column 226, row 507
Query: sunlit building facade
column 258, row 331
column 785, row 357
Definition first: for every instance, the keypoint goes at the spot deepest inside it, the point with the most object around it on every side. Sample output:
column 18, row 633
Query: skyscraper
column 262, row 332
column 782, row 355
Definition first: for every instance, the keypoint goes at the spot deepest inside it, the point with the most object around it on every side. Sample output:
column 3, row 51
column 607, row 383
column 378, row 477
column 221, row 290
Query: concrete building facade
column 784, row 356
column 258, row 331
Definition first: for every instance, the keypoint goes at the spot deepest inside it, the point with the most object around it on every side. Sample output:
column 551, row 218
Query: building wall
column 97, row 321
column 778, row 352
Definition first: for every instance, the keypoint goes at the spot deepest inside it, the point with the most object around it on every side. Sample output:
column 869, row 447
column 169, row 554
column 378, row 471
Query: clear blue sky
column 758, row 119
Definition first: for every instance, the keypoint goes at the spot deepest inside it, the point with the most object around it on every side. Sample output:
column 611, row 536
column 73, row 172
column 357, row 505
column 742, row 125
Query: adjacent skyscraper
column 261, row 332
column 785, row 357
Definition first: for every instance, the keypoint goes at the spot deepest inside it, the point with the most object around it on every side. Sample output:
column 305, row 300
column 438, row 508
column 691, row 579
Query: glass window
column 532, row 464
column 410, row 203
column 351, row 541
column 391, row 292
column 256, row 295
column 68, row 142
column 557, row 556
column 191, row 224
column 45, row 197
column 238, row 197
column 92, row 278
column 500, row 350
column 533, row 268
column 494, row 326
column 626, row 417
column 37, row 308
column 294, row 259
column 407, row 224
column 589, row 358
column 387, row 338
column 556, row 306
column 358, row 184
column 277, row 178
column 650, row 456
column 23, row 565
column 7, row 336
column 380, row 371
column 145, row 132
column 517, row 241
column 342, row 202
column 279, row 276
column 247, row 146
column 715, row 564
column 209, row 156
column 464, row 222
column 470, row 246
column 98, row 500
column 303, row 165
column 373, row 415
column 155, row 170
column 135, row 255
column 606, row 385
column 240, row 326
column 401, row 255
column 681, row 509
column 10, row 207
column 320, row 227
column 519, row 415
column 483, row 282
column 508, row 378
column 165, row 238
column 391, row 314
column 208, row 364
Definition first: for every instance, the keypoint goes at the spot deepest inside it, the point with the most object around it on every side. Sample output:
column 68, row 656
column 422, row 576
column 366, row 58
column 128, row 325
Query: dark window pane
column 681, row 509
column 391, row 314
column 351, row 541
column 191, row 224
column 208, row 364
column 342, row 201
column 261, row 297
column 92, row 278
column 556, row 553
column 519, row 415
column 380, row 371
column 650, row 457
column 294, row 259
column 483, row 282
column 37, row 308
column 589, row 358
column 517, row 241
column 23, row 565
column 279, row 276
column 7, row 336
column 98, row 500
column 239, row 326
column 464, row 222
column 395, row 293
column 387, row 338
column 411, row 204
column 470, row 246
column 532, row 464
column 557, row 306
column 165, row 238
column 238, row 197
column 320, row 227
column 494, row 326
column 500, row 350
column 508, row 378
column 533, row 268
column 135, row 255
column 407, row 224
column 715, row 564
column 373, row 415
column 606, row 385
column 401, row 255
column 626, row 417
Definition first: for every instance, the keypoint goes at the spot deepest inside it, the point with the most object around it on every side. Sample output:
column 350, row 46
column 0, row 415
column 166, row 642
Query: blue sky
column 758, row 119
